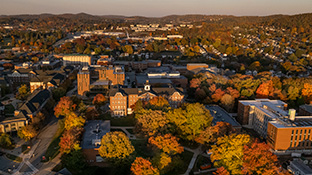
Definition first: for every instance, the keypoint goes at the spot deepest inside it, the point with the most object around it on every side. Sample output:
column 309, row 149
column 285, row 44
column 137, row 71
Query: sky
column 157, row 8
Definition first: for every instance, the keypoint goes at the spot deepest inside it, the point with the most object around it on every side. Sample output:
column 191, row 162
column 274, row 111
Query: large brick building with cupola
column 121, row 99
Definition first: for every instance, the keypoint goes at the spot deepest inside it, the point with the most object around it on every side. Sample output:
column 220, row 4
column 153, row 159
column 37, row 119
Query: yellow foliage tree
column 229, row 152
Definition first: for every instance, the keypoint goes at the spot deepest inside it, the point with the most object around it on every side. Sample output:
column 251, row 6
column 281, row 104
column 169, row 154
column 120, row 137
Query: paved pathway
column 196, row 152
column 124, row 129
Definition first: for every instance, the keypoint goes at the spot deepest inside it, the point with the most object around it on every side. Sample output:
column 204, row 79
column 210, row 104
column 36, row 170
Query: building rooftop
column 307, row 107
column 301, row 166
column 94, row 131
column 220, row 115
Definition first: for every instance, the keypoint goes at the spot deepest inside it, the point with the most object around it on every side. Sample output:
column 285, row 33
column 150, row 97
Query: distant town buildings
column 82, row 60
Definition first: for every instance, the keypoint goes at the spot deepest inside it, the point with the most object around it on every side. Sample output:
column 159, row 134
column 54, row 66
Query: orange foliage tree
column 265, row 89
column 64, row 107
column 158, row 102
column 259, row 160
column 167, row 143
column 217, row 95
column 69, row 140
column 141, row 166
column 99, row 99
column 307, row 92
column 194, row 83
column 221, row 171
column 211, row 134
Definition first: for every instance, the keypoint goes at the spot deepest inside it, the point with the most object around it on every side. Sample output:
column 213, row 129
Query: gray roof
column 35, row 101
column 91, row 133
column 160, row 91
column 307, row 108
column 220, row 115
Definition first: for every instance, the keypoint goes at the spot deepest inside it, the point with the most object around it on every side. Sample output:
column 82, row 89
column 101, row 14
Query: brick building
column 121, row 99
column 116, row 74
column 83, row 81
column 285, row 134
column 192, row 66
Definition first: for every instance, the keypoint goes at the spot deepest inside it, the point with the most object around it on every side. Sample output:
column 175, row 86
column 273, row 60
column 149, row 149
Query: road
column 32, row 161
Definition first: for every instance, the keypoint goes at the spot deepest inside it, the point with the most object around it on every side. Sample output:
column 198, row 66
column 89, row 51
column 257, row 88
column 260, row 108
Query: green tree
column 5, row 141
column 23, row 92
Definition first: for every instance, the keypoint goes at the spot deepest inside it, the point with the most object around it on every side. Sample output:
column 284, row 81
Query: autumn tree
column 167, row 143
column 162, row 160
column 211, row 134
column 265, row 89
column 5, row 141
column 158, row 103
column 190, row 120
column 227, row 101
column 221, row 171
column 91, row 113
column 116, row 146
column 64, row 107
column 258, row 159
column 307, row 92
column 218, row 94
column 23, row 92
column 229, row 152
column 27, row 132
column 141, row 166
column 74, row 121
column 150, row 122
column 69, row 140
column 99, row 99
column 195, row 82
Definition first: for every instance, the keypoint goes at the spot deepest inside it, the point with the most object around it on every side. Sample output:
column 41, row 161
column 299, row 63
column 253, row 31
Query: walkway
column 124, row 129
column 196, row 152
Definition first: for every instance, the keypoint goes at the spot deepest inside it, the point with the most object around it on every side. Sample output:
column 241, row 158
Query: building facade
column 83, row 81
column 83, row 60
column 122, row 99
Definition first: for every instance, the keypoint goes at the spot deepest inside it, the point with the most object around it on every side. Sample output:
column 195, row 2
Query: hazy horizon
column 158, row 8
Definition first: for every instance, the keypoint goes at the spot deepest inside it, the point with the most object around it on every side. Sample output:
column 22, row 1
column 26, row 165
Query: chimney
column 16, row 112
column 285, row 106
column 292, row 114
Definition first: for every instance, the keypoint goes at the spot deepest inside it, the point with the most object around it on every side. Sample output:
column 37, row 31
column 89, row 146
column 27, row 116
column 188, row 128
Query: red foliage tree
column 69, row 140
column 259, row 160
column 64, row 107
column 99, row 99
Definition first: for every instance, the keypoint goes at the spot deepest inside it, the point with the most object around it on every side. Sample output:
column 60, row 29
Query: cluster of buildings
column 283, row 129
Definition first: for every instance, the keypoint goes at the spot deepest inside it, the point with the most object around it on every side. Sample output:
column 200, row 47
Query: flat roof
column 220, row 115
column 307, row 107
column 301, row 166
column 91, row 133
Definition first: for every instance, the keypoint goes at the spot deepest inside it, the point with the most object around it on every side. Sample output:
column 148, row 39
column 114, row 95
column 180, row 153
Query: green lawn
column 201, row 160
column 180, row 163
column 14, row 158
column 122, row 121
column 25, row 149
column 141, row 148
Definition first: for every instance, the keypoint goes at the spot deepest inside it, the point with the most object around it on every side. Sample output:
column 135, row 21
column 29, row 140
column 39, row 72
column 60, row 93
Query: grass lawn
column 182, row 163
column 14, row 158
column 201, row 160
column 189, row 144
column 53, row 149
column 130, row 131
column 141, row 148
column 122, row 121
